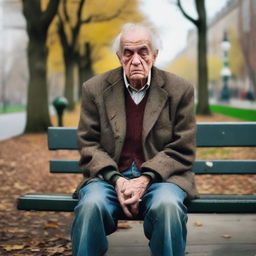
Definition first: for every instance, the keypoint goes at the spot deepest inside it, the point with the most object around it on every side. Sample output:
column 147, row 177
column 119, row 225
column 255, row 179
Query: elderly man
column 137, row 141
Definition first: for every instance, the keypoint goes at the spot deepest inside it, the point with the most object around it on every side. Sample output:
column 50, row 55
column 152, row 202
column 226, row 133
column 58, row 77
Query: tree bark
column 202, row 70
column 69, row 83
column 38, row 118
column 85, row 67
column 202, row 65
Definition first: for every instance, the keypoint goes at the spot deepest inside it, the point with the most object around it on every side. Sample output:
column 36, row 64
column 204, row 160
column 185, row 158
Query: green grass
column 12, row 109
column 244, row 114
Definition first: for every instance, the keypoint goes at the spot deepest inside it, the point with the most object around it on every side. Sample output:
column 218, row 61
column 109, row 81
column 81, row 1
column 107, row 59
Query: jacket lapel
column 156, row 101
column 114, row 99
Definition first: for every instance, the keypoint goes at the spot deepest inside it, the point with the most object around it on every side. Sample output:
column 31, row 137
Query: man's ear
column 119, row 57
column 155, row 54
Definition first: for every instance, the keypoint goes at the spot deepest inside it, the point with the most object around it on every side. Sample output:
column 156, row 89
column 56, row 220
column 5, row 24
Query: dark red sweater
column 132, row 149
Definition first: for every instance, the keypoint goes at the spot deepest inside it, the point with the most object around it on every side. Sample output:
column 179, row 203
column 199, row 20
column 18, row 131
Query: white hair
column 154, row 39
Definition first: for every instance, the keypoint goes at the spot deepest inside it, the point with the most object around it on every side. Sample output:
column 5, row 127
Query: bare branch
column 61, row 32
column 49, row 13
column 194, row 21
column 67, row 19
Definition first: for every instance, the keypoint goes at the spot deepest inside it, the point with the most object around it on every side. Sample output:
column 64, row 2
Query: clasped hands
column 130, row 192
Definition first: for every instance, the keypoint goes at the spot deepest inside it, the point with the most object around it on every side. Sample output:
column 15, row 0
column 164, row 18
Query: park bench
column 235, row 134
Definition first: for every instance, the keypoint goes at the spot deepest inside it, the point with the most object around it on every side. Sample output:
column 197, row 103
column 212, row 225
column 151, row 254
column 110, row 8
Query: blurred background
column 49, row 48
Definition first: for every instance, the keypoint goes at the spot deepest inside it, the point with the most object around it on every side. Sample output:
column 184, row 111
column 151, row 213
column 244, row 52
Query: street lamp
column 225, row 72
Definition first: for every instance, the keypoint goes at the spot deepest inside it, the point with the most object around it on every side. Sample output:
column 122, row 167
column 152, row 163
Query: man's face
column 136, row 56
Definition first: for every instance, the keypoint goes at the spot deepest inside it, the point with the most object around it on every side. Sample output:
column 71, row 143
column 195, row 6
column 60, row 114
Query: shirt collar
column 129, row 87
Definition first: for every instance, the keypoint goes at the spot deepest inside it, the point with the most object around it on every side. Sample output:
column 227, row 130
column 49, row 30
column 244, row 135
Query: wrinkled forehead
column 136, row 38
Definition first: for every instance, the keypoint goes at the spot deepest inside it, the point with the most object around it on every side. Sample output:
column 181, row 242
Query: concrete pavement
column 12, row 124
column 208, row 235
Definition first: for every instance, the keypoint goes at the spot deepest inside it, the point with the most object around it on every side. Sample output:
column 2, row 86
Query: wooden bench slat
column 205, row 204
column 228, row 134
column 199, row 167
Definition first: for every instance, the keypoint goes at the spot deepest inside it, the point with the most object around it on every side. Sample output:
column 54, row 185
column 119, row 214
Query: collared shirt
column 137, row 95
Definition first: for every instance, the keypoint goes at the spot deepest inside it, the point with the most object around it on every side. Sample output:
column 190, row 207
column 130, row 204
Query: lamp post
column 225, row 72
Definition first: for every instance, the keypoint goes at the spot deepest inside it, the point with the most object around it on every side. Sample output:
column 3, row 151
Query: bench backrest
column 228, row 134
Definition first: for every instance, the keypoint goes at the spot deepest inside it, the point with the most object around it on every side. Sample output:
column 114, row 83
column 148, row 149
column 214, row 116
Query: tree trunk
column 202, row 66
column 202, row 70
column 38, row 22
column 38, row 118
column 69, row 82
column 85, row 67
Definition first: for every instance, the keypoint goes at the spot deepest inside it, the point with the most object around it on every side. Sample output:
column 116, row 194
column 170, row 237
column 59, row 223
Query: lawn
column 244, row 114
column 12, row 109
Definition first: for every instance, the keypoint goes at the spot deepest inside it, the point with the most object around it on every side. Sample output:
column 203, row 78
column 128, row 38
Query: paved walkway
column 208, row 235
column 12, row 125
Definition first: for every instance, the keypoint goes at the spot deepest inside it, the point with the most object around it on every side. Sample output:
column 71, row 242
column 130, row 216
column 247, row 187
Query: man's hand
column 130, row 192
column 120, row 187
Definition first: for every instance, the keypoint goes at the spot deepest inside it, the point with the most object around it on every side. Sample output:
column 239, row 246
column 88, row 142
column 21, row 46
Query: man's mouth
column 136, row 71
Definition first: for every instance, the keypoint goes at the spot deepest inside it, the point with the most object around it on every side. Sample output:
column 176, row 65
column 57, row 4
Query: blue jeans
column 98, row 210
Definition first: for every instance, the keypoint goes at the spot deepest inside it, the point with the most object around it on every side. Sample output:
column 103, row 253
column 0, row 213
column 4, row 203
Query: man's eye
column 127, row 53
column 144, row 52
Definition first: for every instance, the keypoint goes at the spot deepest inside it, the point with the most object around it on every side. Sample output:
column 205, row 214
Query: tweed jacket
column 168, row 134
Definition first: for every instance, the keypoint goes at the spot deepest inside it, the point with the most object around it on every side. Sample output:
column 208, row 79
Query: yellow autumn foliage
column 215, row 64
column 106, row 19
column 235, row 54
column 184, row 67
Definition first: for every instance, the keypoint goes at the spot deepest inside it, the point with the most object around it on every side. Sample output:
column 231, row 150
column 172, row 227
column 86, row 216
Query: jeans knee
column 90, row 204
column 168, row 207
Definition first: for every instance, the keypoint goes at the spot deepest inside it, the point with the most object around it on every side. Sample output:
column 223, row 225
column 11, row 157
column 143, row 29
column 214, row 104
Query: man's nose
column 136, row 59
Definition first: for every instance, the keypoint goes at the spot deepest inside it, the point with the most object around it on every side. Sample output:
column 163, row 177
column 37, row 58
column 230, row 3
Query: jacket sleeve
column 178, row 155
column 93, row 157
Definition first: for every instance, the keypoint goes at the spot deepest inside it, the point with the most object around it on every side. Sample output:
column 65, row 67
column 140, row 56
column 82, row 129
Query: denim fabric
column 162, row 208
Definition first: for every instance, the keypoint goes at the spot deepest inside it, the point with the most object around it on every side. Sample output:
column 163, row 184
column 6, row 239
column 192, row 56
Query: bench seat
column 204, row 204
column 233, row 134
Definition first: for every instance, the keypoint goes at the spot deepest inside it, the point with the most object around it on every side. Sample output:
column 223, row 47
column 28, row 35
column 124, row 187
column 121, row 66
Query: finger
column 134, row 209
column 126, row 211
column 128, row 193
column 133, row 200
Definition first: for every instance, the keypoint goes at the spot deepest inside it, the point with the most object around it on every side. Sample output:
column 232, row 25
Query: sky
column 172, row 26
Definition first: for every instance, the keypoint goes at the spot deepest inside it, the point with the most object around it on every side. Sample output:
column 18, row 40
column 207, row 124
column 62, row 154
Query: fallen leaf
column 123, row 225
column 51, row 224
column 55, row 250
column 34, row 249
column 226, row 236
column 19, row 186
column 198, row 224
column 13, row 247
